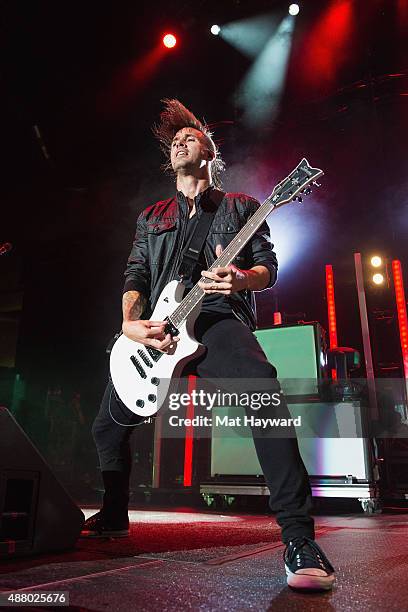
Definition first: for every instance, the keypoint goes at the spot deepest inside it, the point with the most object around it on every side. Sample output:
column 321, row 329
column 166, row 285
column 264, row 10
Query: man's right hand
column 149, row 333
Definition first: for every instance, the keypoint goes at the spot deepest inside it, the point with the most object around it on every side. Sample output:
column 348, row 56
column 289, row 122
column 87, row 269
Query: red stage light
column 277, row 318
column 331, row 307
column 402, row 312
column 328, row 44
column 189, row 439
column 131, row 80
column 169, row 41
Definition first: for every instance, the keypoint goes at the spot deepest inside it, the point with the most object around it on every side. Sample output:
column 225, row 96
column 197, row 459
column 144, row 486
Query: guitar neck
column 196, row 294
column 284, row 192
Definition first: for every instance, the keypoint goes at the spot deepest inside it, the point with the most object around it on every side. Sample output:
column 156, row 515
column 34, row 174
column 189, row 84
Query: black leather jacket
column 156, row 253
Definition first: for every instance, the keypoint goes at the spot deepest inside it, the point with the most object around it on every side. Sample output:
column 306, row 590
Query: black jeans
column 232, row 352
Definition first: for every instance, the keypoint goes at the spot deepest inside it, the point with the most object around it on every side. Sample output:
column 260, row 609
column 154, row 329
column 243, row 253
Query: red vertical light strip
column 188, row 443
column 402, row 312
column 331, row 307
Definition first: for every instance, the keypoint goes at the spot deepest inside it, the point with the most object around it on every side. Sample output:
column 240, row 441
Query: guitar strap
column 196, row 243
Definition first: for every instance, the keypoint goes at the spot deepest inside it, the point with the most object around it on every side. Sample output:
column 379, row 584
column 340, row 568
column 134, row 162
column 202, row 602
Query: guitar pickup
column 138, row 366
column 154, row 353
column 144, row 358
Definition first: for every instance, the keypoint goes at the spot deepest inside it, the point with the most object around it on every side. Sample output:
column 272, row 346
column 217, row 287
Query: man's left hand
column 224, row 280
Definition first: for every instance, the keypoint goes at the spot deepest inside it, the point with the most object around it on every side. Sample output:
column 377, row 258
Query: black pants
column 232, row 352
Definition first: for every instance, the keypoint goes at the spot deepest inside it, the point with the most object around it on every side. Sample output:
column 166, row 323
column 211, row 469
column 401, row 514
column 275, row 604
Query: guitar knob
column 308, row 191
column 155, row 381
column 139, row 403
column 300, row 199
column 151, row 397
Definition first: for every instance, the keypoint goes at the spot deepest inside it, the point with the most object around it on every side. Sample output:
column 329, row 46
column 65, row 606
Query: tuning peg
column 308, row 191
column 316, row 184
column 299, row 199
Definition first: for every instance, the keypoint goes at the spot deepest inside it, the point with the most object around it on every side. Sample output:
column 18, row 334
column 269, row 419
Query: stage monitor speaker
column 36, row 513
column 297, row 352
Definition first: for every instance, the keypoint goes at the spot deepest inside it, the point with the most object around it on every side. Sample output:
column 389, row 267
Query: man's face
column 189, row 149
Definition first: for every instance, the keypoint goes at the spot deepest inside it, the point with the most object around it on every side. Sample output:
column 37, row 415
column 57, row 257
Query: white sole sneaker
column 309, row 581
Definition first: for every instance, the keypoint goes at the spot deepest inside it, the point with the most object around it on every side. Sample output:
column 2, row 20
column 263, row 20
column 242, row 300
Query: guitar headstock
column 298, row 181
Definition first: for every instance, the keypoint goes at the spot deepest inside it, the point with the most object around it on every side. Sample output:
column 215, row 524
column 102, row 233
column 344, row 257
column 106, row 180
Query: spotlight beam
column 261, row 90
column 249, row 36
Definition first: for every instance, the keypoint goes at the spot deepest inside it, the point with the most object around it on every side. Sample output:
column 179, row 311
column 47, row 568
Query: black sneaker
column 307, row 567
column 98, row 527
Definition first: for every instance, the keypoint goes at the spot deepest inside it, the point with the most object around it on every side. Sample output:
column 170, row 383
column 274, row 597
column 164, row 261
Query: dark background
column 74, row 70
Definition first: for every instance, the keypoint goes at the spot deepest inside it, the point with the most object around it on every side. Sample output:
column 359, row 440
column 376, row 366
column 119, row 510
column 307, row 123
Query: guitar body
column 141, row 377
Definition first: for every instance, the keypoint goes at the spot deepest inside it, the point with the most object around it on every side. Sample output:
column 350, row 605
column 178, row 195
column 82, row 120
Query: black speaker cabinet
column 36, row 513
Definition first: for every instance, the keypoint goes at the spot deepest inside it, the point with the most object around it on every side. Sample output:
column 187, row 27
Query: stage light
column 189, row 439
column 295, row 231
column 261, row 90
column 169, row 41
column 277, row 318
column 376, row 261
column 294, row 9
column 378, row 278
column 215, row 29
column 331, row 306
column 327, row 44
column 249, row 36
column 401, row 304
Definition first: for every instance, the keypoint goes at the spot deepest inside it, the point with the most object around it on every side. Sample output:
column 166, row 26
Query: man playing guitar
column 224, row 327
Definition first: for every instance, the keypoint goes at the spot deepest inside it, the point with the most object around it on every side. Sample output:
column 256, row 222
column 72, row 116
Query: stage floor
column 181, row 559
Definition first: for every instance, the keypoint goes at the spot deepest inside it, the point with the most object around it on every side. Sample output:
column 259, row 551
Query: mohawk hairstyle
column 173, row 118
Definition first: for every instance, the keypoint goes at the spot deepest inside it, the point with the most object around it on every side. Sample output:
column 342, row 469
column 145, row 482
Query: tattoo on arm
column 133, row 304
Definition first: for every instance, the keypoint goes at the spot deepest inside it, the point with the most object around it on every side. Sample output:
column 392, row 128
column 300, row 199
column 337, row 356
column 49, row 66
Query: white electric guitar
column 141, row 374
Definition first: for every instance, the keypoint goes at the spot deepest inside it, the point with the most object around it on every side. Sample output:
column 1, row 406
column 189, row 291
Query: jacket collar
column 199, row 199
